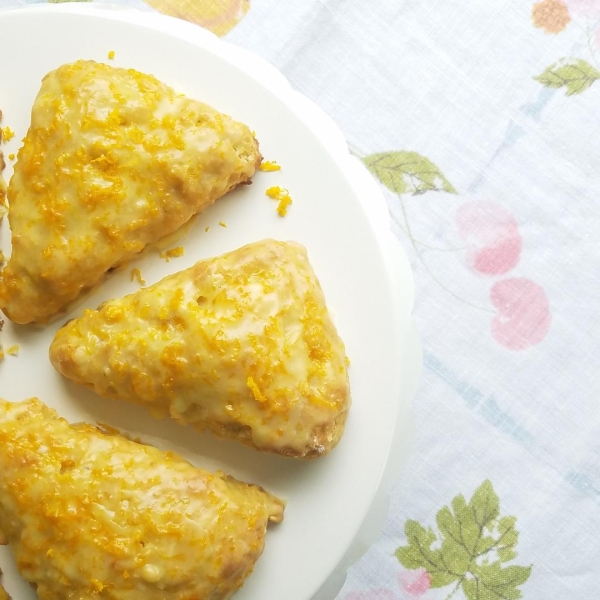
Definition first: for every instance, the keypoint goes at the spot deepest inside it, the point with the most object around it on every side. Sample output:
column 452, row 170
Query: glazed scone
column 90, row 514
column 113, row 160
column 241, row 344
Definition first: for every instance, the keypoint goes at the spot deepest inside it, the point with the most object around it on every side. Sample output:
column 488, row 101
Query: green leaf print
column 407, row 173
column 419, row 554
column 575, row 75
column 468, row 552
column 493, row 582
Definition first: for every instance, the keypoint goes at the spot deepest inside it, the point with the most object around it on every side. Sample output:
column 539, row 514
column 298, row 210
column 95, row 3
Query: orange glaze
column 92, row 514
column 241, row 344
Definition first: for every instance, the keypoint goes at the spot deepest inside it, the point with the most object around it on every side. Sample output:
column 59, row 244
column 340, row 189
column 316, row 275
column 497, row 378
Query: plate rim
column 332, row 138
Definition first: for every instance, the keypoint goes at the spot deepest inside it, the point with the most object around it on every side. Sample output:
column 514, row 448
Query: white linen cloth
column 493, row 182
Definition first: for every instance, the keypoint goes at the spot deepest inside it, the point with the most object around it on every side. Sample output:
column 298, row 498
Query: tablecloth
column 480, row 120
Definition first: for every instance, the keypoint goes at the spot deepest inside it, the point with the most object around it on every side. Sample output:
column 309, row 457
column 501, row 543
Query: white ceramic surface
column 338, row 214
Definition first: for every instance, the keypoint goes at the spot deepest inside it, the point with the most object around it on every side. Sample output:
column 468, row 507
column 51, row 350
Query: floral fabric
column 481, row 122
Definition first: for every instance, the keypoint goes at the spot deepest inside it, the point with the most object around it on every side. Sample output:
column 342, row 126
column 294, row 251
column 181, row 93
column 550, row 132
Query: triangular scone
column 90, row 514
column 241, row 344
column 113, row 160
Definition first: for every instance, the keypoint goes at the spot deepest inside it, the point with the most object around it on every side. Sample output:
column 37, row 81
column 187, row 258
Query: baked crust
column 241, row 344
column 113, row 160
column 89, row 513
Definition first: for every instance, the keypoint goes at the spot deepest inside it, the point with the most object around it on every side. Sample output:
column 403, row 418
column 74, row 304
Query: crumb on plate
column 222, row 224
column 172, row 253
column 7, row 134
column 283, row 205
column 111, row 54
column 281, row 194
column 13, row 350
column 136, row 275
column 207, row 228
column 269, row 165
column 275, row 192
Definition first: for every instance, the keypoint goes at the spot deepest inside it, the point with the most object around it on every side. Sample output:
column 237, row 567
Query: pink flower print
column 376, row 594
column 523, row 317
column 492, row 236
column 584, row 8
column 414, row 583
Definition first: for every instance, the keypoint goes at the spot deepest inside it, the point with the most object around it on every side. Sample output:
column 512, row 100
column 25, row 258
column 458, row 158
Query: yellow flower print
column 551, row 15
column 220, row 16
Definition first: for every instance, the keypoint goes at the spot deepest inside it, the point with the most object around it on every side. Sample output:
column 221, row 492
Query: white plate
column 338, row 214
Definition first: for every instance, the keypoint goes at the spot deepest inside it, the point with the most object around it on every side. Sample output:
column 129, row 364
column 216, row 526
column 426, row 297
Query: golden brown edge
column 325, row 437
column 257, row 163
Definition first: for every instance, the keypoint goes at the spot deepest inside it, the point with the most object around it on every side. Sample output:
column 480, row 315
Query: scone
column 241, row 344
column 94, row 515
column 113, row 160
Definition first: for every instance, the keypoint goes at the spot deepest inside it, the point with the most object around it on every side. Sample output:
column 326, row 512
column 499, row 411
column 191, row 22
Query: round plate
column 338, row 213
